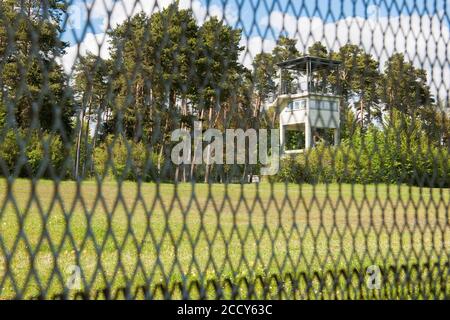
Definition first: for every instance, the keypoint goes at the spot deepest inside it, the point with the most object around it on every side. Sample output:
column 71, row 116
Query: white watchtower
column 308, row 100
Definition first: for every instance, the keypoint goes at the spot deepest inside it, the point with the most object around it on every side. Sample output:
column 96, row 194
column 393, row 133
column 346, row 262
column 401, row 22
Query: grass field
column 143, row 234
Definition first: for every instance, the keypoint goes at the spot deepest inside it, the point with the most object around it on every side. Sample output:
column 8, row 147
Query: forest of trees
column 166, row 71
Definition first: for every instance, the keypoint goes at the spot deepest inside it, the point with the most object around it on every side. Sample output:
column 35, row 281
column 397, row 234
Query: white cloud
column 96, row 44
column 253, row 46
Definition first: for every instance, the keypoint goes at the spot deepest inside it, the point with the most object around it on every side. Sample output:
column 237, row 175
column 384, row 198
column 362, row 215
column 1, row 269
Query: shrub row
column 126, row 160
column 374, row 157
column 32, row 154
column 394, row 155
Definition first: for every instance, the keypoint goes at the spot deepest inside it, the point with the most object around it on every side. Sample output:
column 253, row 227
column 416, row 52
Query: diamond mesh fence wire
column 224, row 149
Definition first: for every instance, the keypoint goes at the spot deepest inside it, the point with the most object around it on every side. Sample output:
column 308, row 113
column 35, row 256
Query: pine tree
column 34, row 89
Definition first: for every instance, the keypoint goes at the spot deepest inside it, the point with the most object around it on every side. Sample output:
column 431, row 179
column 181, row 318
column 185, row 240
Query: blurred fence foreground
column 211, row 149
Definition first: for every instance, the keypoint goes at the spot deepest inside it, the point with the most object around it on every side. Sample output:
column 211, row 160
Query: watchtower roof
column 309, row 62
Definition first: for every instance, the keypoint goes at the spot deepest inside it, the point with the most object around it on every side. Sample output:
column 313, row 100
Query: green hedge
column 377, row 156
column 400, row 152
column 111, row 159
column 33, row 154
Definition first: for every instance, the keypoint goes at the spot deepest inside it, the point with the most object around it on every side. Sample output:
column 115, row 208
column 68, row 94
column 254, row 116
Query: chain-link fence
column 224, row 149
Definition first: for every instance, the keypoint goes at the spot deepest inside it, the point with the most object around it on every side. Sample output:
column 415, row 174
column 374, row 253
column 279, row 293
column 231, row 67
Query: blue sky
column 250, row 12
column 417, row 28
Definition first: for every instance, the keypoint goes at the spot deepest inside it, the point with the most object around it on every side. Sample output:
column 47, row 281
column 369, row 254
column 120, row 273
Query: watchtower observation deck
column 308, row 99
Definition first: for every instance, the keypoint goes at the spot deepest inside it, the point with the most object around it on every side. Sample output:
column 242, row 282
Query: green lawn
column 145, row 234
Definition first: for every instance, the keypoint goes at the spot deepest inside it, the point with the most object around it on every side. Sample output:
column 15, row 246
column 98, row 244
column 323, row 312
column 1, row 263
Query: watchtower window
column 297, row 105
column 333, row 106
column 325, row 105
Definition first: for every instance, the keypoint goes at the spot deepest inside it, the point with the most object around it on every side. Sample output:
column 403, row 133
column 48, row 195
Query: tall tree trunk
column 78, row 148
column 244, row 173
column 138, row 122
column 161, row 150
column 195, row 150
column 182, row 126
column 94, row 144
column 361, row 110
column 86, row 139
column 101, row 114
column 208, row 148
column 185, row 113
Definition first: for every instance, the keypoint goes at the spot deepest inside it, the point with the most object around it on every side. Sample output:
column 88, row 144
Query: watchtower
column 308, row 98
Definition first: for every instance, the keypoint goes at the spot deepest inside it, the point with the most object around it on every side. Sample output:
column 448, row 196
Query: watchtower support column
column 308, row 134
